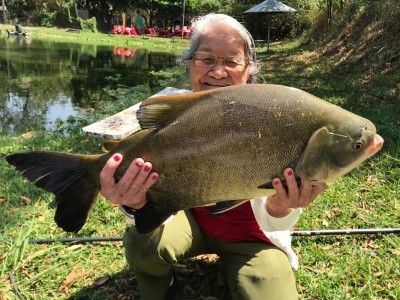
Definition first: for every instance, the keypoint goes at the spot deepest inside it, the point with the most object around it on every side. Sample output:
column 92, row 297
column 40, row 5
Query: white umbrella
column 270, row 7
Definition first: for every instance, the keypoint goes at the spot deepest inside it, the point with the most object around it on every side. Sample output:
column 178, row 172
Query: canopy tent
column 270, row 7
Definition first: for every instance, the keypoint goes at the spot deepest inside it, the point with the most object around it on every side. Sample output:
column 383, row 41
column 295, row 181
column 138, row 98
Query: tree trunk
column 329, row 4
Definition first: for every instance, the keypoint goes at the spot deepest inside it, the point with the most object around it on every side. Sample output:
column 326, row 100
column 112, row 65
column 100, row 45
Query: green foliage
column 78, row 22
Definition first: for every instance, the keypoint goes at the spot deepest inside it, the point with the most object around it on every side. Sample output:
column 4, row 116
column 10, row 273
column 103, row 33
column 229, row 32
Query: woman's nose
column 218, row 71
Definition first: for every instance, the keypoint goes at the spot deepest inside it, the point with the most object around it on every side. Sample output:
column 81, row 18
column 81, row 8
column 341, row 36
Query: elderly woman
column 252, row 240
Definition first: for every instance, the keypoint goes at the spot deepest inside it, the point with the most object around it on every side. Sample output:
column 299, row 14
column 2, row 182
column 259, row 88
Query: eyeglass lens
column 208, row 60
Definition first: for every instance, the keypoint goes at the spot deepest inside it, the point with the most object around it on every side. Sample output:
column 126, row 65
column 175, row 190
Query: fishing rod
column 293, row 233
column 346, row 231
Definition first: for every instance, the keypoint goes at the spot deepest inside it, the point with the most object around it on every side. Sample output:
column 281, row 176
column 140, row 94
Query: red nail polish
column 276, row 181
column 117, row 157
column 147, row 168
column 154, row 177
column 139, row 164
column 290, row 172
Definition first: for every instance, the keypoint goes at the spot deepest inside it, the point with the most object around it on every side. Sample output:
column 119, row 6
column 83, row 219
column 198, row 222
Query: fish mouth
column 376, row 145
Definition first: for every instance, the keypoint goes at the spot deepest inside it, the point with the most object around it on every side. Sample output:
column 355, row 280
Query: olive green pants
column 253, row 270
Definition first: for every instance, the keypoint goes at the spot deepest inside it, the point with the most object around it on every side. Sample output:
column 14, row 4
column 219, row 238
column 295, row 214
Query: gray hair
column 211, row 22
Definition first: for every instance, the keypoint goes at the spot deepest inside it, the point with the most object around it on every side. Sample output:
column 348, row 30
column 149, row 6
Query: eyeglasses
column 208, row 60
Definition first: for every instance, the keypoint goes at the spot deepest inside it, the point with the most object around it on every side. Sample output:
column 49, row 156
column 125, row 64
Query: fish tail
column 73, row 180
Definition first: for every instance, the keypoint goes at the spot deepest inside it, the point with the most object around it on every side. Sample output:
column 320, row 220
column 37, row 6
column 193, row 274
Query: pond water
column 42, row 80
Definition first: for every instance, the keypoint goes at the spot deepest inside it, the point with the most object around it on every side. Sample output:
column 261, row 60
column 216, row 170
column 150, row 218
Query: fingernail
column 154, row 177
column 139, row 164
column 290, row 172
column 276, row 181
column 117, row 157
column 147, row 168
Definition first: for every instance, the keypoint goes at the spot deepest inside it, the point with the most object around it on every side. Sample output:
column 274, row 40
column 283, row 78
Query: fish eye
column 358, row 145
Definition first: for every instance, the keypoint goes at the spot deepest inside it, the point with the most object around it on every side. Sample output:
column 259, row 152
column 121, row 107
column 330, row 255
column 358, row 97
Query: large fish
column 209, row 147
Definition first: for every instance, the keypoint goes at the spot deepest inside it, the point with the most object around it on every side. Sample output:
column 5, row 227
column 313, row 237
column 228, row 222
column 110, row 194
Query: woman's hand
column 131, row 189
column 282, row 203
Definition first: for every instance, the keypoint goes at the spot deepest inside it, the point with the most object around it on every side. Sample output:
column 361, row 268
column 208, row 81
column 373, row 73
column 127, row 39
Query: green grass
column 172, row 45
column 331, row 267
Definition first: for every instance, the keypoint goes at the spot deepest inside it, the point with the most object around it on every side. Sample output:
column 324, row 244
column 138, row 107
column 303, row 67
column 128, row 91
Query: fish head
column 333, row 151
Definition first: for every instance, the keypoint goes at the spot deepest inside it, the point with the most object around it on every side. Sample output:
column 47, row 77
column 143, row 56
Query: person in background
column 252, row 239
column 140, row 22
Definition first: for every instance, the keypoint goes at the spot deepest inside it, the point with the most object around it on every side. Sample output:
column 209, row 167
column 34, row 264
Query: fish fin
column 67, row 177
column 149, row 218
column 224, row 206
column 311, row 165
column 110, row 145
column 156, row 111
column 269, row 186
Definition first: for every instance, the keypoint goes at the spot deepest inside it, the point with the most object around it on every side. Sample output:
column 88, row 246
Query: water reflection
column 43, row 80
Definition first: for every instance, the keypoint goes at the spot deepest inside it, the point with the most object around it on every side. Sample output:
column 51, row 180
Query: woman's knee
column 268, row 272
column 144, row 246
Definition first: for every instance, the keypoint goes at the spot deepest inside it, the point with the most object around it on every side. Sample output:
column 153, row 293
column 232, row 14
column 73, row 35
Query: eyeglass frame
column 246, row 61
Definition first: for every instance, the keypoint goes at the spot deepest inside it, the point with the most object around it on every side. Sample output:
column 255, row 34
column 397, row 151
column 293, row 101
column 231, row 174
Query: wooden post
column 123, row 19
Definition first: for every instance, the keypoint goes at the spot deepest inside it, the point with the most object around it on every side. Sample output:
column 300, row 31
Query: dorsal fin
column 156, row 111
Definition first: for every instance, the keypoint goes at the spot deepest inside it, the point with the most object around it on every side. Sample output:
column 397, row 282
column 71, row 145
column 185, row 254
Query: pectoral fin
column 312, row 164
column 110, row 145
column 148, row 218
column 224, row 206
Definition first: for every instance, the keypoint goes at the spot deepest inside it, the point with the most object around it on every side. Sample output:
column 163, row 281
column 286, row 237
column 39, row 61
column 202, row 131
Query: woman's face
column 223, row 43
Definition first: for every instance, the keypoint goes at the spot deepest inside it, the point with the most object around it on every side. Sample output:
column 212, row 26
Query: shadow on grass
column 197, row 278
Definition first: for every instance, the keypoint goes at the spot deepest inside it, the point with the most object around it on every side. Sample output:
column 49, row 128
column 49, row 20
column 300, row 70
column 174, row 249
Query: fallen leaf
column 327, row 247
column 366, row 242
column 71, row 277
column 312, row 269
column 330, row 214
column 2, row 199
column 301, row 288
column 378, row 274
column 26, row 199
column 207, row 257
column 63, row 288
column 396, row 251
column 100, row 281
column 3, row 297
column 26, row 273
column 74, row 247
